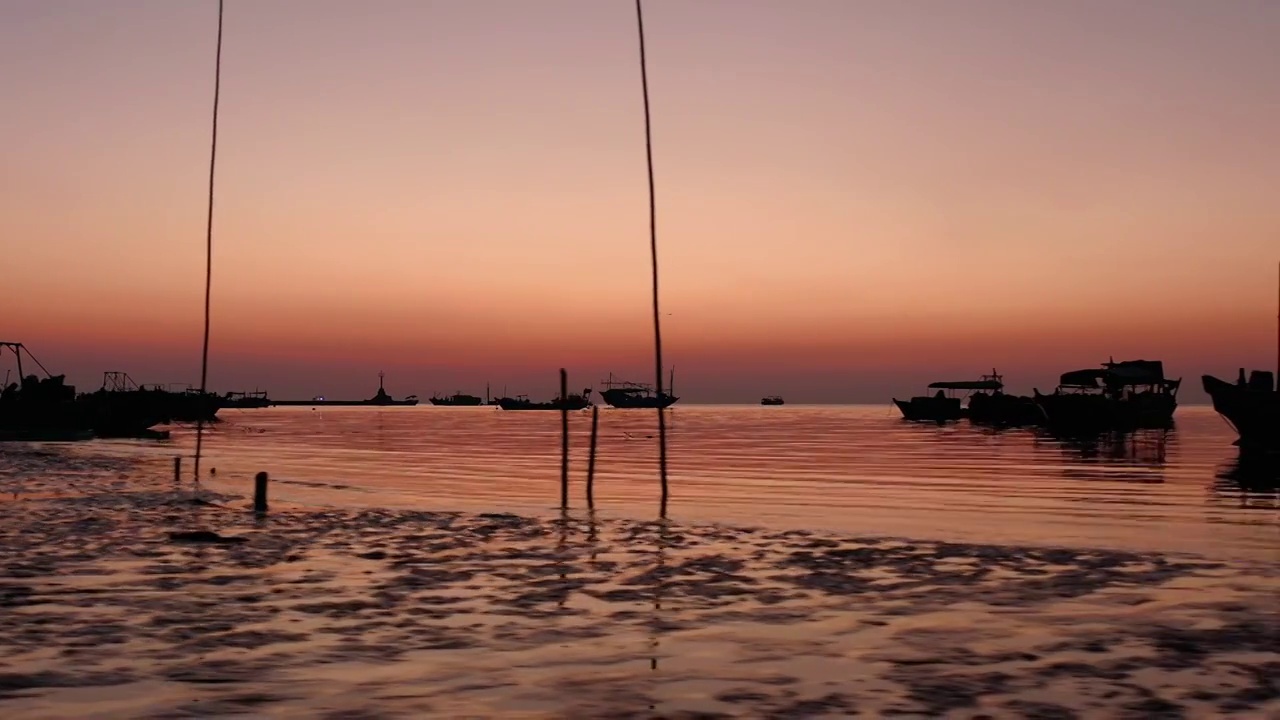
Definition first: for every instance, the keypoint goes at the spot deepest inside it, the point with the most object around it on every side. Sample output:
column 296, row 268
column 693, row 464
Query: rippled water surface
column 857, row 470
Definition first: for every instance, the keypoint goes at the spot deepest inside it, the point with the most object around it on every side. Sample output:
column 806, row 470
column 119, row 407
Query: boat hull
column 1000, row 410
column 516, row 404
column 464, row 401
column 634, row 401
column 1252, row 412
column 1083, row 414
column 343, row 403
column 930, row 409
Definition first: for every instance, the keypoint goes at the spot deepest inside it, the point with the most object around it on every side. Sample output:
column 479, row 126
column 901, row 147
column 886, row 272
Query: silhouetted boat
column 1124, row 395
column 39, row 409
column 457, row 399
column 381, row 399
column 246, row 400
column 943, row 406
column 121, row 408
column 1252, row 408
column 772, row 400
column 572, row 402
column 632, row 395
column 990, row 405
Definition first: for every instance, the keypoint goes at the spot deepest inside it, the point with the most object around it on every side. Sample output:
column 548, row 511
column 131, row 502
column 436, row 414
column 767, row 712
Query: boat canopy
column 1136, row 372
column 967, row 385
column 1081, row 378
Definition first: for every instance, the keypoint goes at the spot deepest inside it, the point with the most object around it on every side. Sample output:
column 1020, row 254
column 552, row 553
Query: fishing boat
column 990, row 405
column 772, row 400
column 123, row 409
column 572, row 402
column 456, row 400
column 1126, row 395
column 36, row 408
column 246, row 400
column 380, row 399
column 943, row 406
column 633, row 395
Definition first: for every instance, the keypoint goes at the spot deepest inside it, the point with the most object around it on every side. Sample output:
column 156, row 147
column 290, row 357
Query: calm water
column 857, row 470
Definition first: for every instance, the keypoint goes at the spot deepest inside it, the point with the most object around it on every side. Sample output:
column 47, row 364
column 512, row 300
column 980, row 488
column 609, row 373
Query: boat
column 246, row 400
column 572, row 402
column 123, row 409
column 632, row 395
column 1126, row 395
column 1251, row 408
column 772, row 400
column 943, row 406
column 39, row 409
column 381, row 399
column 990, row 405
column 457, row 399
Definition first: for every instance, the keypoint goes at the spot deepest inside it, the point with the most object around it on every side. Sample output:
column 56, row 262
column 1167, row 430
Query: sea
column 857, row 470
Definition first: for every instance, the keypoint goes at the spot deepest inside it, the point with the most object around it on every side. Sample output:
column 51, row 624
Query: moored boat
column 772, row 400
column 1127, row 395
column 989, row 404
column 943, row 406
column 380, row 399
column 572, row 402
column 457, row 399
column 632, row 395
column 1251, row 408
column 39, row 409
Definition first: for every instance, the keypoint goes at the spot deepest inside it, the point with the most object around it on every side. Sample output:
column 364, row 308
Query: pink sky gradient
column 854, row 197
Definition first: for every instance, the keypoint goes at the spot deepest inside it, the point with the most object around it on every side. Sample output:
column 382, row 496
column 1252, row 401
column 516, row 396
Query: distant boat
column 381, row 399
column 572, row 402
column 1127, row 395
column 772, row 400
column 632, row 395
column 246, row 400
column 1252, row 408
column 456, row 399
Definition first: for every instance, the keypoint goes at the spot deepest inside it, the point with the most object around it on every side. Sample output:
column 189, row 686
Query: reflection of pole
column 660, row 579
column 653, row 252
column 591, row 458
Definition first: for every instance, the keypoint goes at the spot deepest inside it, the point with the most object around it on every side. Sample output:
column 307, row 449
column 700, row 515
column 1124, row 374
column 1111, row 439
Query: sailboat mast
column 671, row 384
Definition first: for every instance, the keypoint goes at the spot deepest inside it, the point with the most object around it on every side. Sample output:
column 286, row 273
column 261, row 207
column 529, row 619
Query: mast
column 671, row 384
column 380, row 376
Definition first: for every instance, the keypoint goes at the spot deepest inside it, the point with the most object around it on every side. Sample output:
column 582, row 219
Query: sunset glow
column 853, row 198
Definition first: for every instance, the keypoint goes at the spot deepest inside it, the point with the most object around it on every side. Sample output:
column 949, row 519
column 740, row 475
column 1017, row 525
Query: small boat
column 990, row 405
column 772, row 400
column 456, row 400
column 572, row 402
column 381, row 399
column 631, row 395
column 943, row 406
column 246, row 400
column 1126, row 395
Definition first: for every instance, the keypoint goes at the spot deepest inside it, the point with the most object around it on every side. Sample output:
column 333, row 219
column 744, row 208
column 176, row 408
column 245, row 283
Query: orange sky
column 854, row 198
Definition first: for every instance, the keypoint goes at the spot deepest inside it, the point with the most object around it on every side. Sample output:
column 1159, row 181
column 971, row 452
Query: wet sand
column 382, row 613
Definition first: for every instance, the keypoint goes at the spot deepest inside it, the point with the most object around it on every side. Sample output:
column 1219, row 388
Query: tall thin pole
column 564, row 439
column 653, row 253
column 208, row 246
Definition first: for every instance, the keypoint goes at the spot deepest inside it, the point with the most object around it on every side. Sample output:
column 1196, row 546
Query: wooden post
column 564, row 439
column 177, row 468
column 591, row 459
column 260, row 493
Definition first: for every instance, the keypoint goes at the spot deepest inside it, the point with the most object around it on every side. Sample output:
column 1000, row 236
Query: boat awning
column 1081, row 378
column 1136, row 372
column 967, row 385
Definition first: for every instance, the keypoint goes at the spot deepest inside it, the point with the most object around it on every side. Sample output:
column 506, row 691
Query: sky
column 854, row 197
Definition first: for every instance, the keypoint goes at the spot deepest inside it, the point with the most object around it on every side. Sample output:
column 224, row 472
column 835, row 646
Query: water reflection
column 1255, row 477
column 1135, row 457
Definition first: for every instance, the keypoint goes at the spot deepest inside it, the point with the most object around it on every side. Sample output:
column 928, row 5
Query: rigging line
column 653, row 252
column 208, row 249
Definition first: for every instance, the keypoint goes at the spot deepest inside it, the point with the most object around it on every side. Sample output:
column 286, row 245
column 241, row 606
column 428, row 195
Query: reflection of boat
column 39, row 409
column 772, row 400
column 1253, row 472
column 622, row 394
column 457, row 399
column 522, row 402
column 381, row 399
column 1118, row 396
column 1252, row 408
